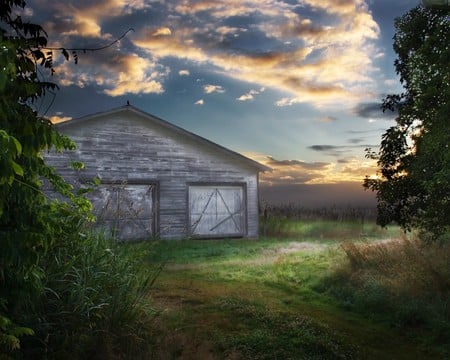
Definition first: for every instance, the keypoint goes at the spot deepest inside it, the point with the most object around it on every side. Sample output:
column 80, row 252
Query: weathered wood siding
column 126, row 148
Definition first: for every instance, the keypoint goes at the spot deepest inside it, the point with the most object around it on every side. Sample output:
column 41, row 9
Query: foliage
column 64, row 292
column 413, row 188
column 96, row 301
column 284, row 227
column 30, row 224
column 402, row 281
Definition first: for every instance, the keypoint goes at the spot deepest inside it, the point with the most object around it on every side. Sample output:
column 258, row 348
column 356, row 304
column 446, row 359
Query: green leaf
column 10, row 341
column 96, row 180
column 17, row 144
column 21, row 331
column 18, row 170
column 77, row 165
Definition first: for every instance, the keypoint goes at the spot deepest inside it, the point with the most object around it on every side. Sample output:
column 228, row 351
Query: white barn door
column 125, row 211
column 216, row 211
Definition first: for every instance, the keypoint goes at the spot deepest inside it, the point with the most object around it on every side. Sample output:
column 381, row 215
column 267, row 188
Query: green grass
column 95, row 302
column 324, row 230
column 273, row 298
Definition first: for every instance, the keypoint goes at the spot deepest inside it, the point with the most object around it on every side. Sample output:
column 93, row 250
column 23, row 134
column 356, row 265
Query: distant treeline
column 337, row 213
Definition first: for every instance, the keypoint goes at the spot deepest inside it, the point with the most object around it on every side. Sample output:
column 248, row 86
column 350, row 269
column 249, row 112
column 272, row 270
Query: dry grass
column 404, row 282
column 406, row 267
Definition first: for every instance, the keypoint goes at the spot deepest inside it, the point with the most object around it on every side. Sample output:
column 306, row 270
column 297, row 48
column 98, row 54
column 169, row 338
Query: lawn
column 276, row 298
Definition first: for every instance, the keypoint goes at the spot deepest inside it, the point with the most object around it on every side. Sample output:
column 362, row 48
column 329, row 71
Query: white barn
column 159, row 180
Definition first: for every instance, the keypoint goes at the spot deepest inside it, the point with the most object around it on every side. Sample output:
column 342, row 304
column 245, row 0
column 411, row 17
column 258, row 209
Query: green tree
column 30, row 223
column 413, row 187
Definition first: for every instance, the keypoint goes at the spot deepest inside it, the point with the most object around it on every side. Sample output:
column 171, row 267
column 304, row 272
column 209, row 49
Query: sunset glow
column 296, row 85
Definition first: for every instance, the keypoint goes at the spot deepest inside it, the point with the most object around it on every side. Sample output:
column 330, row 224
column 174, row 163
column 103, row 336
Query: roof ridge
column 167, row 124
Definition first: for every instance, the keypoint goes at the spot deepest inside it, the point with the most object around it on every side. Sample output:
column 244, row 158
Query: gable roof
column 167, row 125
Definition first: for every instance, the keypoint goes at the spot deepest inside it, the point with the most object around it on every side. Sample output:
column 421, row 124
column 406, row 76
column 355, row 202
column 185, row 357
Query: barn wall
column 127, row 148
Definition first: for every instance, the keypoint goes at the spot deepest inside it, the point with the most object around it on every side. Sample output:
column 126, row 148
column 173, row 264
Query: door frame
column 242, row 185
column 155, row 198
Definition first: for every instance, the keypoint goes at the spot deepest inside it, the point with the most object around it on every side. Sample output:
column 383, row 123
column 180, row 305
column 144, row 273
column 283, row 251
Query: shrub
column 403, row 281
column 96, row 302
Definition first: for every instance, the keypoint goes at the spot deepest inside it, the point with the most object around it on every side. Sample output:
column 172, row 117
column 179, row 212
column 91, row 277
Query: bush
column 404, row 281
column 96, row 302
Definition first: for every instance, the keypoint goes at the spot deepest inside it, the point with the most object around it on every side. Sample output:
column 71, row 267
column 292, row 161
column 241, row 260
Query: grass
column 403, row 282
column 283, row 297
column 95, row 303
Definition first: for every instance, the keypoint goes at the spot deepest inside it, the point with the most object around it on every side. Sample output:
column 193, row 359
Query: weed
column 95, row 304
column 322, row 229
column 276, row 335
column 405, row 282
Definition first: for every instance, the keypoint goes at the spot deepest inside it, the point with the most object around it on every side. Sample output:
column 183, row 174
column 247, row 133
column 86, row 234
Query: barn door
column 217, row 211
column 125, row 211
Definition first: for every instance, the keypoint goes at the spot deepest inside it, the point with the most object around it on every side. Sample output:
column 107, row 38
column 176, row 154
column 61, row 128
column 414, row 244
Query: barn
column 159, row 180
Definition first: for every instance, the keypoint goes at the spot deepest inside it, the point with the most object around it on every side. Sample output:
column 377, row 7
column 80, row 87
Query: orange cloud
column 85, row 18
column 325, row 64
column 209, row 89
column 58, row 118
column 122, row 74
column 302, row 172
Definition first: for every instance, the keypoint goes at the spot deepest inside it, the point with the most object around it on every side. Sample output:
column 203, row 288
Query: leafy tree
column 30, row 223
column 413, row 187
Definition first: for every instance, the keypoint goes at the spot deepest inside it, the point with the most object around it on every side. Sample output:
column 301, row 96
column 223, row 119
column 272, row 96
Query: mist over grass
column 308, row 289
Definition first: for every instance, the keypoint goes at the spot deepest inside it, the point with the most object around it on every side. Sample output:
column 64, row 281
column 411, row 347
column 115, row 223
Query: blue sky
column 293, row 84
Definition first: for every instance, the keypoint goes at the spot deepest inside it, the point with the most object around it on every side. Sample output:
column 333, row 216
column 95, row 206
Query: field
column 305, row 290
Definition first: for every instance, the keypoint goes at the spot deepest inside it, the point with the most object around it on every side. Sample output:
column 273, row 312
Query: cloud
column 296, row 172
column 250, row 95
column 286, row 102
column 355, row 140
column 372, row 110
column 226, row 31
column 358, row 169
column 319, row 51
column 183, row 72
column 324, row 147
column 138, row 76
column 296, row 163
column 162, row 31
column 117, row 74
column 86, row 18
column 391, row 82
column 327, row 63
column 58, row 118
column 209, row 89
column 291, row 171
column 342, row 150
column 328, row 119
column 199, row 102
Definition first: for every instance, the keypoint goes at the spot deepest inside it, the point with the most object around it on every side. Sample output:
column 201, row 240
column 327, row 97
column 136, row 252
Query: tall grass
column 405, row 282
column 95, row 304
column 322, row 230
column 333, row 213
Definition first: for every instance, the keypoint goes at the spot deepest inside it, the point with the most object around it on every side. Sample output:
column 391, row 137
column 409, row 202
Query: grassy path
column 240, row 299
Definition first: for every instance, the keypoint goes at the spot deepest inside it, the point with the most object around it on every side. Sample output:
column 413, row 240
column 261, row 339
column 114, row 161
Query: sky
column 294, row 84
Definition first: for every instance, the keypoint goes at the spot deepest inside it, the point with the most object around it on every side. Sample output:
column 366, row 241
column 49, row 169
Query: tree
column 413, row 184
column 30, row 223
column 60, row 284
